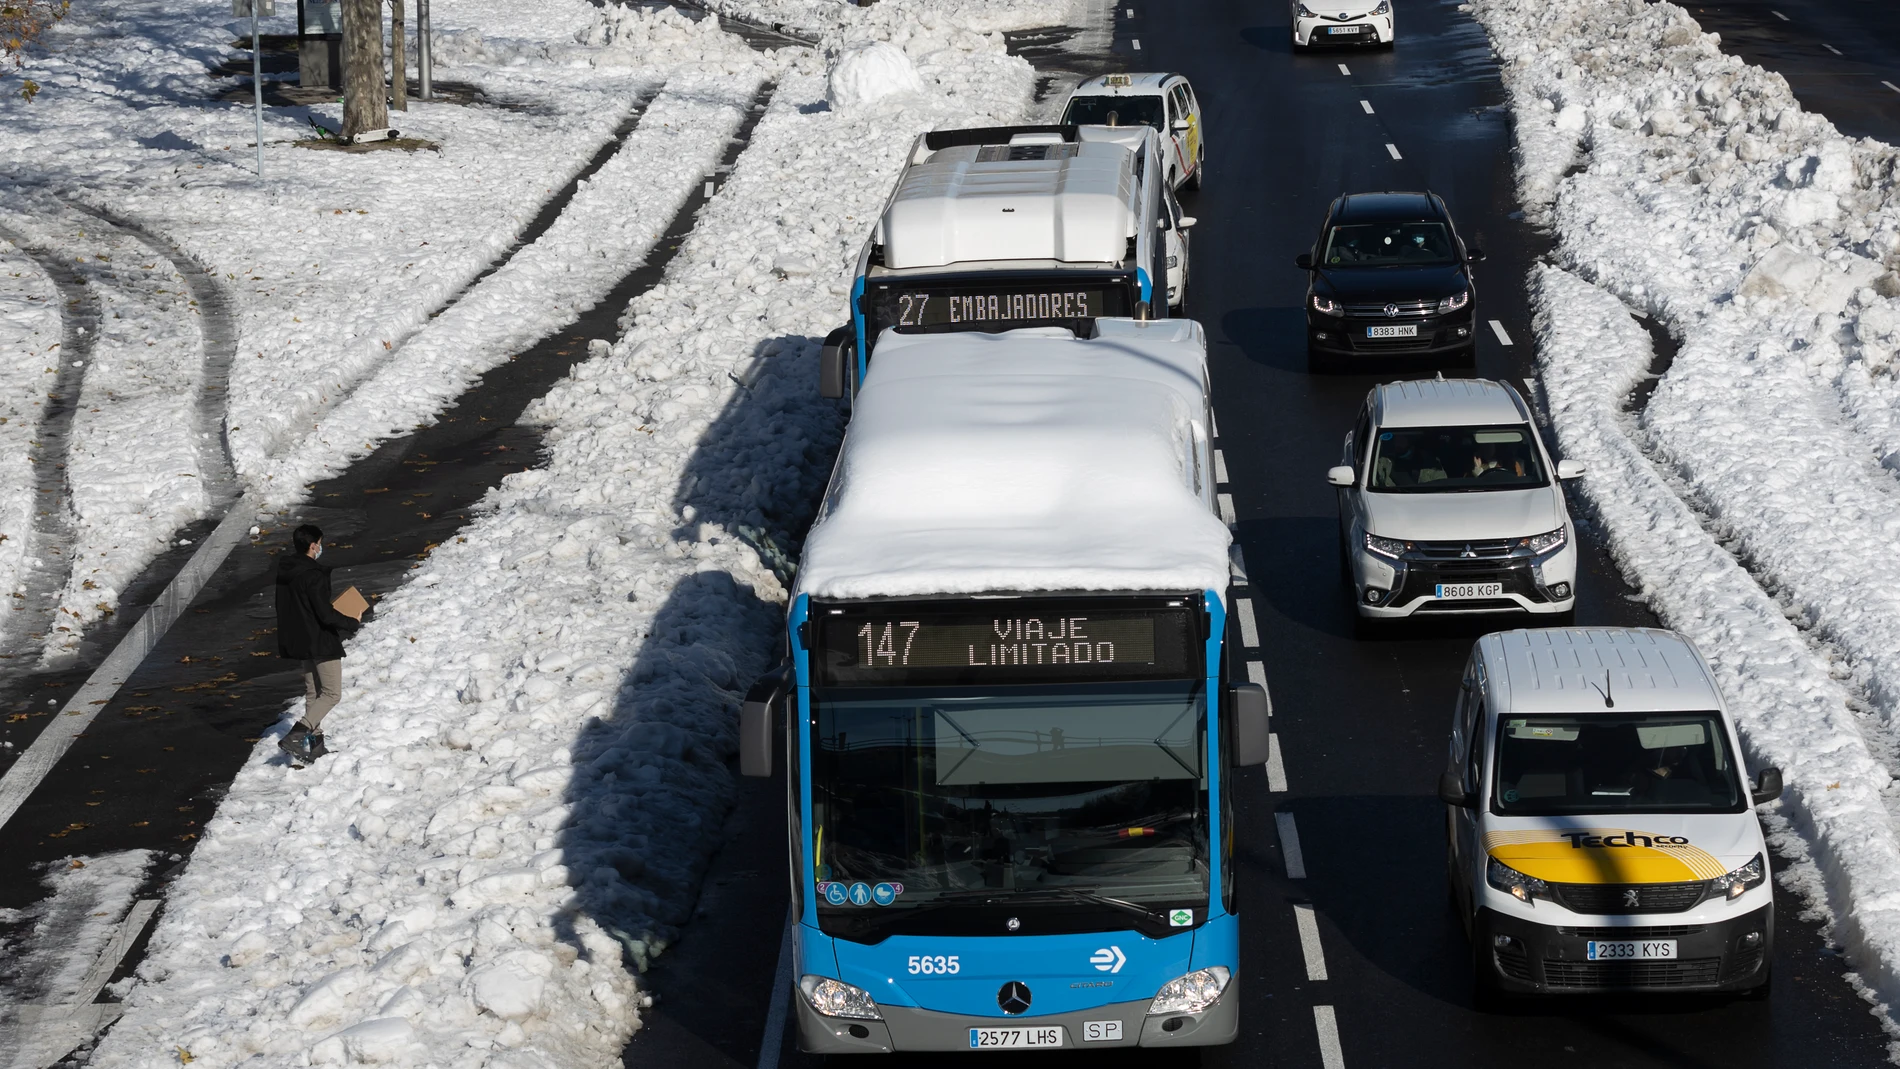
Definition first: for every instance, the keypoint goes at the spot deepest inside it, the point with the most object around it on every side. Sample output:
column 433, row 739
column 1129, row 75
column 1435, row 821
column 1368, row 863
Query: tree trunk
column 399, row 56
column 365, row 105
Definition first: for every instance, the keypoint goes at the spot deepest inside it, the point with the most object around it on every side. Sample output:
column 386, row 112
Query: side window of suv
column 1362, row 437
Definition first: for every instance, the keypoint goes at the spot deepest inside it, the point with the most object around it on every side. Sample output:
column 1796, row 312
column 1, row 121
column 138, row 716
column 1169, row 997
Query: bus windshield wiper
column 1075, row 893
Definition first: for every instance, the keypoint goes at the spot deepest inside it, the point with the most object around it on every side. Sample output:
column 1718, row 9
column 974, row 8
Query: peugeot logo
column 1630, row 898
column 1013, row 998
column 1391, row 311
column 1469, row 552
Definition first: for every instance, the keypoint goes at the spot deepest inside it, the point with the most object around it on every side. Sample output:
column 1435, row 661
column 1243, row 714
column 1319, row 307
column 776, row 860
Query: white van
column 1163, row 101
column 1602, row 829
column 1024, row 226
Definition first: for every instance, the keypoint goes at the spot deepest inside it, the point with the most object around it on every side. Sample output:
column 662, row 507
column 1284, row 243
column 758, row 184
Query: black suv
column 1389, row 276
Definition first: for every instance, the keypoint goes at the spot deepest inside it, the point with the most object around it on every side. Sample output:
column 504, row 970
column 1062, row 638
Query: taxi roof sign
column 1118, row 80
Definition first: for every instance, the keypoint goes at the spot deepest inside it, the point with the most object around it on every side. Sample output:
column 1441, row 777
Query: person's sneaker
column 297, row 745
column 315, row 744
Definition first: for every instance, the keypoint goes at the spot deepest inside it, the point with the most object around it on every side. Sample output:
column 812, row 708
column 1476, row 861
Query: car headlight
column 1456, row 300
column 1737, row 881
column 1548, row 542
column 1514, row 883
column 1307, row 12
column 1386, row 547
column 1384, row 8
column 1327, row 306
column 1191, row 993
column 835, row 998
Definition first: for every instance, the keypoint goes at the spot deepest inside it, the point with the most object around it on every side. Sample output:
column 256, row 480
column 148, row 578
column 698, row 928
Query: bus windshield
column 948, row 793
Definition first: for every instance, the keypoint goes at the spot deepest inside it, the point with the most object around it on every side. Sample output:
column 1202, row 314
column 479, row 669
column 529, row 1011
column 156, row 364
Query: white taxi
column 1602, row 829
column 1341, row 22
column 1163, row 101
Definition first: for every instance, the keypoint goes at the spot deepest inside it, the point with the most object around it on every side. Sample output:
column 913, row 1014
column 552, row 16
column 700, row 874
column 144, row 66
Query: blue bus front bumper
column 907, row 1029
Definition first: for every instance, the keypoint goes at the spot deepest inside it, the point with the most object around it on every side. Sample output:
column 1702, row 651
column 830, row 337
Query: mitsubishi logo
column 1108, row 959
column 1630, row 899
column 1013, row 998
column 1469, row 552
column 1391, row 311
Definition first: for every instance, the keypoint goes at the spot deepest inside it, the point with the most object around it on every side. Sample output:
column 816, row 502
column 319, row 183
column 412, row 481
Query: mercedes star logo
column 1630, row 899
column 1391, row 311
column 1014, row 997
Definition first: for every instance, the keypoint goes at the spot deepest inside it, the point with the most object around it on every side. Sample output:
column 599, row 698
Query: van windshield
column 1644, row 763
column 1115, row 111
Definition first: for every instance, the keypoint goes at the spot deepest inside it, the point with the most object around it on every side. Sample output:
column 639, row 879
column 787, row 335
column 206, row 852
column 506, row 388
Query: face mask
column 318, row 553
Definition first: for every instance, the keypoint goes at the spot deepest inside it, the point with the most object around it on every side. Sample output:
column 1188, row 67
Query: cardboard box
column 351, row 604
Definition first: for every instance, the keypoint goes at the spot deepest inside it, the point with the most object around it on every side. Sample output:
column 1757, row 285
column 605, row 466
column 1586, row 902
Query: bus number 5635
column 937, row 964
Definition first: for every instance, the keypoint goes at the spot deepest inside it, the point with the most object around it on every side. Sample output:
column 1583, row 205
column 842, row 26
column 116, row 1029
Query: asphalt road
column 1841, row 57
column 1361, row 724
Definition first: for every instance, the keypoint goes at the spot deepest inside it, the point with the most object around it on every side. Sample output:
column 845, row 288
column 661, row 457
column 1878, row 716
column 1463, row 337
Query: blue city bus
column 1009, row 806
column 999, row 228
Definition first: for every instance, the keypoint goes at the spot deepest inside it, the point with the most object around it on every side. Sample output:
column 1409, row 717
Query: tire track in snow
column 53, row 525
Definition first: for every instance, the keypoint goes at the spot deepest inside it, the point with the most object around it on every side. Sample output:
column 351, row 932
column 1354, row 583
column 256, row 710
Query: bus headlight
column 1191, row 993
column 1512, row 882
column 835, row 998
column 1736, row 882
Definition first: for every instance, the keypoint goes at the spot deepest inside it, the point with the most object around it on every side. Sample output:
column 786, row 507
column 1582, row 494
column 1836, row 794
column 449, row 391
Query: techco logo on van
column 1583, row 840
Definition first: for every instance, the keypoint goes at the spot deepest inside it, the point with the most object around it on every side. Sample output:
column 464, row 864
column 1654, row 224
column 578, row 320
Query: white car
column 1601, row 828
column 1163, row 101
column 1341, row 22
column 1449, row 503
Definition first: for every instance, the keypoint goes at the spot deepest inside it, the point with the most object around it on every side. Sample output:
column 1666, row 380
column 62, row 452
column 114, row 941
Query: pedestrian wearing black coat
column 310, row 630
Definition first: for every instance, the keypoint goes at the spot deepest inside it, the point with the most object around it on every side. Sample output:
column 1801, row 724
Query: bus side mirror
column 1247, row 703
column 831, row 362
column 1304, row 261
column 756, row 721
column 1767, row 786
column 1451, row 790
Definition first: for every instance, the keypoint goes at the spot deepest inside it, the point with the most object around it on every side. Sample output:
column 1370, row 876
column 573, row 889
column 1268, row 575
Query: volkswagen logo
column 1013, row 998
column 1013, row 923
column 1630, row 898
column 1391, row 311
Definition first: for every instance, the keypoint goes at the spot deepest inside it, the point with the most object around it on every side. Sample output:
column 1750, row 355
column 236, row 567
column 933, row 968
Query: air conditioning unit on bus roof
column 1029, row 198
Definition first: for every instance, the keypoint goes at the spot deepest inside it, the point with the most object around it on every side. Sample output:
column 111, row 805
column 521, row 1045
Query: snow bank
column 1692, row 187
column 536, row 729
column 29, row 351
column 871, row 72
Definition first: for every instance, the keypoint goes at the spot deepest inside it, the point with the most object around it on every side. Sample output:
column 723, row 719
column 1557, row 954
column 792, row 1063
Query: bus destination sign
column 948, row 308
column 1015, row 645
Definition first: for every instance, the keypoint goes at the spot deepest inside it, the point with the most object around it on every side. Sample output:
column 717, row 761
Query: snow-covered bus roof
column 1026, row 461
column 1067, row 194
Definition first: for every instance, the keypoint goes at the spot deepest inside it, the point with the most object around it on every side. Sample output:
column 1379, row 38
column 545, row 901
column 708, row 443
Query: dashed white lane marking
column 1343, row 69
column 1137, row 44
column 1309, row 942
column 1276, row 768
column 1324, row 1022
column 1220, row 467
column 1830, row 48
column 1131, row 12
column 1215, row 417
column 1226, row 508
column 1249, row 631
column 1290, row 846
column 1257, row 674
column 1781, row 16
column 1394, row 150
column 1890, row 85
column 1498, row 329
column 1366, row 104
column 709, row 187
column 771, row 1044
